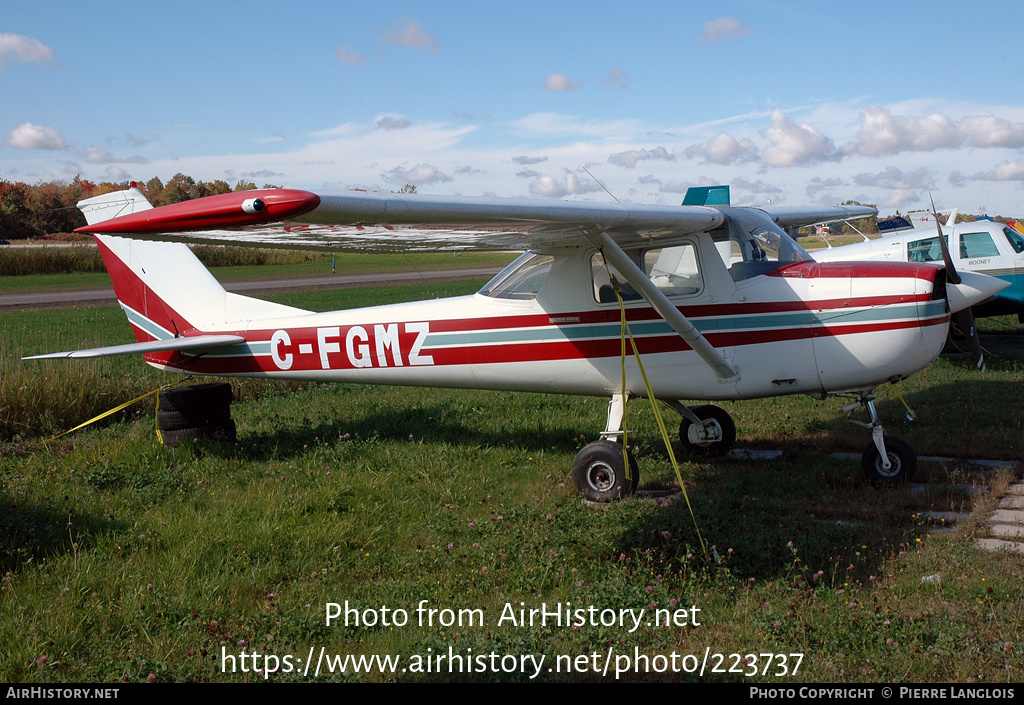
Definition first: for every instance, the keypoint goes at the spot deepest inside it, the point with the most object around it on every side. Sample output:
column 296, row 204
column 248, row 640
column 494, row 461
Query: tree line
column 28, row 211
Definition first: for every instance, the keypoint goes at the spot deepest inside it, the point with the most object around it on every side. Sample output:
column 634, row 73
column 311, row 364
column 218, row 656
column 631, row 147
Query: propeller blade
column 952, row 276
column 965, row 321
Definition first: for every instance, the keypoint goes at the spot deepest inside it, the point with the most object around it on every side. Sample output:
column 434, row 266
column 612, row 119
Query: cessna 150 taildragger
column 723, row 304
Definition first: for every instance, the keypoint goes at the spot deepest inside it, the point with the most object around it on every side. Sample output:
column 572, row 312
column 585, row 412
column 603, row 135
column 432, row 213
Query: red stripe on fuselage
column 646, row 313
column 527, row 351
column 809, row 269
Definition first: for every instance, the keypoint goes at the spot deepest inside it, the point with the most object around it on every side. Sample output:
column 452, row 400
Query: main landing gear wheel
column 599, row 472
column 716, row 438
column 902, row 460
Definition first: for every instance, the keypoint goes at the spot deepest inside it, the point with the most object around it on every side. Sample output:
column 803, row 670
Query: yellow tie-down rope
column 627, row 333
column 105, row 414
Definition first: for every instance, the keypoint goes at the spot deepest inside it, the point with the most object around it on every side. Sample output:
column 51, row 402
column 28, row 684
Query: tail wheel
column 718, row 440
column 902, row 463
column 599, row 472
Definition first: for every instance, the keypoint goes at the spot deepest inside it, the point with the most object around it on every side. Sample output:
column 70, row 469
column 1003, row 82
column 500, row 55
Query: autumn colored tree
column 14, row 212
column 178, row 189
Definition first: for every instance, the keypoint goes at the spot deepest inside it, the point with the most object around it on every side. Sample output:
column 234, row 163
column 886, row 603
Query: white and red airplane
column 723, row 304
column 984, row 245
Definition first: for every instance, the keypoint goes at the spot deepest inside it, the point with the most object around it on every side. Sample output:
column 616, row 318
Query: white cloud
column 818, row 185
column 275, row 137
column 1004, row 171
column 527, row 161
column 558, row 125
column 759, row 187
column 418, row 175
column 561, row 82
column 99, row 155
column 96, row 155
column 411, row 35
column 349, row 57
column 629, row 158
column 549, row 187
column 794, row 144
column 262, row 174
column 616, row 77
column 15, row 47
column 990, row 131
column 883, row 133
column 894, row 178
column 899, row 199
column 115, row 174
column 724, row 149
column 138, row 141
column 723, row 28
column 392, row 122
column 29, row 136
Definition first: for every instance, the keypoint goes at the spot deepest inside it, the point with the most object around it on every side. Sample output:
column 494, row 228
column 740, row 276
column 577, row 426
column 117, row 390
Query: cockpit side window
column 1015, row 238
column 752, row 244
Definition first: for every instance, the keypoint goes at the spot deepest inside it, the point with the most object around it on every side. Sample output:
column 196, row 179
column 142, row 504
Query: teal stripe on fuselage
column 798, row 319
column 140, row 321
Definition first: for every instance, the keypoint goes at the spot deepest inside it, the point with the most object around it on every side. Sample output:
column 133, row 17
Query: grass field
column 124, row 560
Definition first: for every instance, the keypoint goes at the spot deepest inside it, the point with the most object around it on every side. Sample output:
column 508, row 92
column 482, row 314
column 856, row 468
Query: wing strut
column 665, row 308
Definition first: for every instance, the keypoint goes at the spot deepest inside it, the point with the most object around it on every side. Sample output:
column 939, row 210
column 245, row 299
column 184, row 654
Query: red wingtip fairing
column 222, row 211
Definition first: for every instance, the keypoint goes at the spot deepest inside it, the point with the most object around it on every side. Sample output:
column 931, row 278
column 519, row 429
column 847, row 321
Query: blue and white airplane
column 985, row 246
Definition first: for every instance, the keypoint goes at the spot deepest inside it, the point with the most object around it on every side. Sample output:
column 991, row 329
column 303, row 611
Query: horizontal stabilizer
column 191, row 343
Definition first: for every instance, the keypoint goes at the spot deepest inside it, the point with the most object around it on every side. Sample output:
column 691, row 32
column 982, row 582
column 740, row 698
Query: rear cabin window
column 974, row 245
column 927, row 250
column 674, row 270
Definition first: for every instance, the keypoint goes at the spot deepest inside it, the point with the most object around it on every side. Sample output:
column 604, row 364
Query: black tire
column 902, row 457
column 599, row 472
column 198, row 418
column 710, row 448
column 196, row 397
column 182, row 435
column 225, row 432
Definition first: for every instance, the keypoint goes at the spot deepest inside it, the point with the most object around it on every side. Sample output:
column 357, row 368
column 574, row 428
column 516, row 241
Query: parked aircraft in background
column 723, row 304
column 984, row 246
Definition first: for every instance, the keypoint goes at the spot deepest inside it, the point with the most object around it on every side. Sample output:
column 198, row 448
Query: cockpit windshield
column 752, row 244
column 522, row 279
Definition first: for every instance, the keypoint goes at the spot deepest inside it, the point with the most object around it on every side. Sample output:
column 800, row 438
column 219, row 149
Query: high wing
column 798, row 216
column 366, row 221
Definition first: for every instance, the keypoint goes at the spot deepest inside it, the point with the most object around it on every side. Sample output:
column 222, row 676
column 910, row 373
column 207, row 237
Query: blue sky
column 789, row 102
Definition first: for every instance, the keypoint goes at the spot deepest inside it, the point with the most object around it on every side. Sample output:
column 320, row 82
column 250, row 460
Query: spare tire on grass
column 196, row 412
